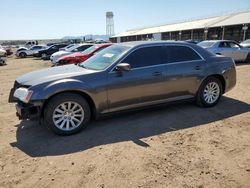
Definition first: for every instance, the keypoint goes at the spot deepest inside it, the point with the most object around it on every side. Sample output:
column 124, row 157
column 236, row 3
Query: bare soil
column 178, row 145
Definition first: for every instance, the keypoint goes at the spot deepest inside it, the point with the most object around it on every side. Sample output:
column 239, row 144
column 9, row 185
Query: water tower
column 110, row 30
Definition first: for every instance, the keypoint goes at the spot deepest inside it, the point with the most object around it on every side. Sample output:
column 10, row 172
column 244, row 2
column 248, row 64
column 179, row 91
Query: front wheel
column 22, row 55
column 210, row 92
column 67, row 113
column 44, row 55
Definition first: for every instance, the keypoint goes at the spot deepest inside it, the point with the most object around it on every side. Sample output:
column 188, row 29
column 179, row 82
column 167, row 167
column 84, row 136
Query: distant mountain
column 87, row 37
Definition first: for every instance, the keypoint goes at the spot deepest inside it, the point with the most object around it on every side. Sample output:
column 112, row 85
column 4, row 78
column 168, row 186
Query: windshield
column 72, row 48
column 206, row 44
column 90, row 50
column 105, row 58
column 246, row 41
column 69, row 46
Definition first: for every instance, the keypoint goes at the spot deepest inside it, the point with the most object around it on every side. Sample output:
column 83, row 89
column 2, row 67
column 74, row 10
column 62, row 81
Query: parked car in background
column 67, row 47
column 122, row 77
column 29, row 44
column 246, row 43
column 100, row 41
column 3, row 55
column 50, row 44
column 30, row 52
column 7, row 49
column 227, row 48
column 76, row 48
column 21, row 48
column 81, row 56
column 46, row 53
column 192, row 41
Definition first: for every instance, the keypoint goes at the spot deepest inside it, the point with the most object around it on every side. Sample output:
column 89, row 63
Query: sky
column 52, row 19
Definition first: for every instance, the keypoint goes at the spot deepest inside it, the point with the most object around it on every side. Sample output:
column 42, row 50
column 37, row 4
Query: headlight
column 23, row 94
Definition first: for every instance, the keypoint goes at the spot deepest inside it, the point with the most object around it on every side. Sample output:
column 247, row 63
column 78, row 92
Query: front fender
column 44, row 91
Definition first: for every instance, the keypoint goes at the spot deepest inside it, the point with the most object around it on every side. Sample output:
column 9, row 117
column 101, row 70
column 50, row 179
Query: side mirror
column 123, row 67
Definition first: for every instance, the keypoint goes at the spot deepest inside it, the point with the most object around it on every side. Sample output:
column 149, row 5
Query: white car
column 3, row 54
column 246, row 43
column 29, row 52
column 76, row 48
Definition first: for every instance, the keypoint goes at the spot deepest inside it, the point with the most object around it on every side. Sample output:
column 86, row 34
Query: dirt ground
column 178, row 145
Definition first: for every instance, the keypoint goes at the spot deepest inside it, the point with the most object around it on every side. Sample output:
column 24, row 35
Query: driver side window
column 224, row 45
column 233, row 45
column 143, row 57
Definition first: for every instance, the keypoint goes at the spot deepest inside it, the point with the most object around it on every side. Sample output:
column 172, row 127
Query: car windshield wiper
column 81, row 65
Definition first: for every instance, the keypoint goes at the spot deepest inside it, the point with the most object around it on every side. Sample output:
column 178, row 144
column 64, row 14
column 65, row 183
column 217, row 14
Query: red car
column 79, row 57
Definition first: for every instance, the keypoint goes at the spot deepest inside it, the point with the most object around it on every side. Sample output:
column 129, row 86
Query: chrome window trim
column 159, row 45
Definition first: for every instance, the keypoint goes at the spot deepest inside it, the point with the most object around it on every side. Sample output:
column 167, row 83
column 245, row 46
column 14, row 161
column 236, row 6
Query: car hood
column 52, row 74
column 245, row 45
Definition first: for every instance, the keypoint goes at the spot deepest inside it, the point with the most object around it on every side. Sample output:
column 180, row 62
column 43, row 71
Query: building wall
column 233, row 32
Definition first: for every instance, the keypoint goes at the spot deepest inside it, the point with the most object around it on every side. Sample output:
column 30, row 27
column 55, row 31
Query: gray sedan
column 29, row 52
column 227, row 48
column 122, row 77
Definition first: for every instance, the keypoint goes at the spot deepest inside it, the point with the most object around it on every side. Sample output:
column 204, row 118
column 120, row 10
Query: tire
column 44, row 56
column 22, row 55
column 248, row 58
column 58, row 112
column 62, row 62
column 209, row 93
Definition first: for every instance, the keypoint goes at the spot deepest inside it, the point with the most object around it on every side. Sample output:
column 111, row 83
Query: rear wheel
column 22, row 55
column 67, row 113
column 44, row 55
column 210, row 92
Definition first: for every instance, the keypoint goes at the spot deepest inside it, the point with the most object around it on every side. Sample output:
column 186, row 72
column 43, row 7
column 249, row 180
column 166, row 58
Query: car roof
column 83, row 44
column 142, row 43
column 218, row 41
column 103, row 44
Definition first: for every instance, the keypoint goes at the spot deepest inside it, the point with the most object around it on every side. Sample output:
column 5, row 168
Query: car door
column 144, row 83
column 30, row 51
column 53, row 49
column 231, row 49
column 33, row 50
column 184, row 70
column 238, row 53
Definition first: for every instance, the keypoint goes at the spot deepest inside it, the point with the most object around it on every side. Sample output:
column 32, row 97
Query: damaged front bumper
column 28, row 111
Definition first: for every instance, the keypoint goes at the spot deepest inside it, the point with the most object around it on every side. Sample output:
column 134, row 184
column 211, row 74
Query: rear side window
column 173, row 54
column 144, row 57
column 36, row 47
column 82, row 48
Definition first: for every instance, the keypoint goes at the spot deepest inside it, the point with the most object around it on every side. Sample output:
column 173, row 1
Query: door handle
column 197, row 68
column 157, row 74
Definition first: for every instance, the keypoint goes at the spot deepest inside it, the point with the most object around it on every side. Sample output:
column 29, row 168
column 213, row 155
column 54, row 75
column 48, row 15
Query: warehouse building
column 235, row 26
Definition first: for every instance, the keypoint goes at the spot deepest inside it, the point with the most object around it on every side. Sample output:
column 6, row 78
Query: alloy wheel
column 211, row 92
column 68, row 116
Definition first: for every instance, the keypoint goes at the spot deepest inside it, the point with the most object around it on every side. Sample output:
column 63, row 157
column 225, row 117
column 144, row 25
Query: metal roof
column 231, row 19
